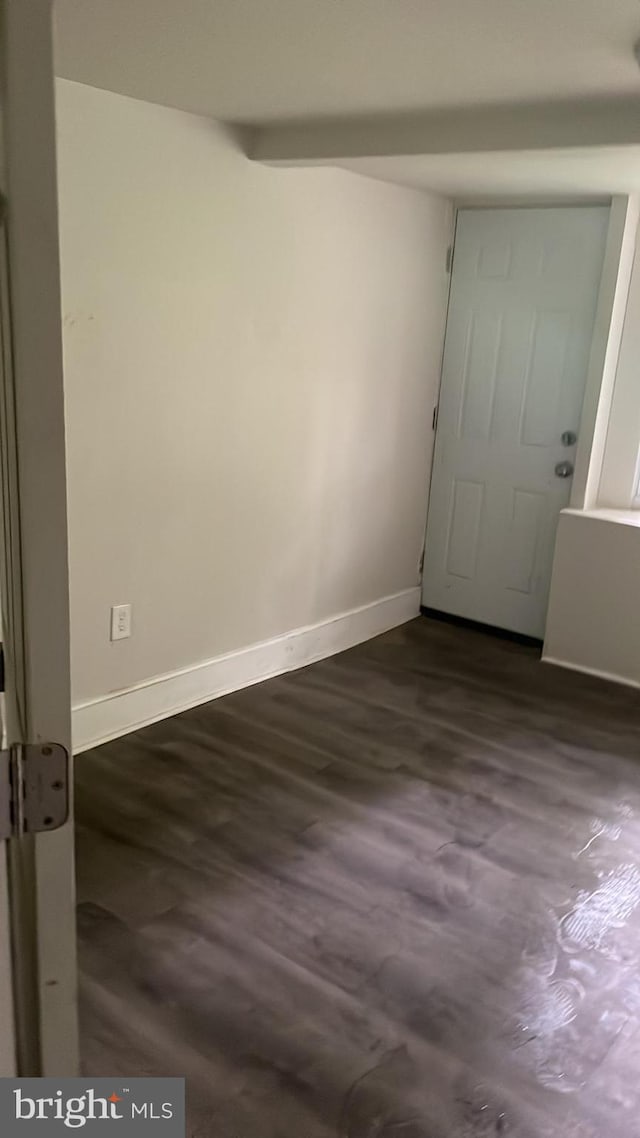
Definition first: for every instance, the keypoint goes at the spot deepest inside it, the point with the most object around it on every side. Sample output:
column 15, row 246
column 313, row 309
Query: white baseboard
column 612, row 677
column 109, row 716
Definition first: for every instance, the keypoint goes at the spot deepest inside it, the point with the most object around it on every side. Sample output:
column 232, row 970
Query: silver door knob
column 569, row 438
column 564, row 469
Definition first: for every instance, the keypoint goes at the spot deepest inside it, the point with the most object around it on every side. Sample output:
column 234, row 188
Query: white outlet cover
column 120, row 622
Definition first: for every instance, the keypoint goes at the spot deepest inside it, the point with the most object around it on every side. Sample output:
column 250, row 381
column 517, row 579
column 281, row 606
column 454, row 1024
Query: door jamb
column 451, row 256
column 40, row 876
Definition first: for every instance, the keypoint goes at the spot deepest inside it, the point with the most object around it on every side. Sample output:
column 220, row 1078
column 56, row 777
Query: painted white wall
column 251, row 361
column 594, row 620
column 621, row 467
column 608, row 330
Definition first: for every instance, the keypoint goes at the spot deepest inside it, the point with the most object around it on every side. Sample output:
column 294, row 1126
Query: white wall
column 621, row 466
column 594, row 617
column 251, row 361
column 608, row 331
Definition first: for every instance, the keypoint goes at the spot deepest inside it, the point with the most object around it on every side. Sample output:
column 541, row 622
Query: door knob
column 564, row 469
column 569, row 438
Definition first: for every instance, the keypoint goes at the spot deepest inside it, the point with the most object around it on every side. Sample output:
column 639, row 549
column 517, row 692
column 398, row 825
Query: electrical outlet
column 120, row 622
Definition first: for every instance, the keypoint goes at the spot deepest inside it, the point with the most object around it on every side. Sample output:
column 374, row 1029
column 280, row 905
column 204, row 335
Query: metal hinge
column 34, row 789
column 434, row 417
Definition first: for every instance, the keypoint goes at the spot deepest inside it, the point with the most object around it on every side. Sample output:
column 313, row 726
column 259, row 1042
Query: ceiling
column 260, row 61
column 535, row 175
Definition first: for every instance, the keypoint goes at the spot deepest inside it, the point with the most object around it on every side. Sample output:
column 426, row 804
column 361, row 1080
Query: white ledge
column 604, row 514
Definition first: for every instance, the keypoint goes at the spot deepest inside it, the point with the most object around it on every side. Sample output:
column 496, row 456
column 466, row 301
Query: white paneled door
column 524, row 290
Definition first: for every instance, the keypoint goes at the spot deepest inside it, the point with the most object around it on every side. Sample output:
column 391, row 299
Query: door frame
column 35, row 576
column 624, row 219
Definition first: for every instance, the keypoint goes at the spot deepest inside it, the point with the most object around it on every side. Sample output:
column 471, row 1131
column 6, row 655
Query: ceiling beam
column 536, row 126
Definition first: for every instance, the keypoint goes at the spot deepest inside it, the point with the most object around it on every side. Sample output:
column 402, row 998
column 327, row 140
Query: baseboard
column 612, row 677
column 110, row 716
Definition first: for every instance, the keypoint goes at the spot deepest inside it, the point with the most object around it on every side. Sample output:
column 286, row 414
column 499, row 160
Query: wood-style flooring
column 393, row 895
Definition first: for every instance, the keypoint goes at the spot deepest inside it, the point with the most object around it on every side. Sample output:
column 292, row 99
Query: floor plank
column 393, row 895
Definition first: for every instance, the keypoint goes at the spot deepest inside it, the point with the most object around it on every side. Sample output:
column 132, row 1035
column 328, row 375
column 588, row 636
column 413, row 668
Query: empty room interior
column 351, row 327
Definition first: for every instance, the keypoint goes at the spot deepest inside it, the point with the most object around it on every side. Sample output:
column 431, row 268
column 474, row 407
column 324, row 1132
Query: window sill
column 620, row 517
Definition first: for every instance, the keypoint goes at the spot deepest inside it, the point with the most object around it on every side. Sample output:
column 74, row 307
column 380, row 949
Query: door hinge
column 34, row 789
column 434, row 417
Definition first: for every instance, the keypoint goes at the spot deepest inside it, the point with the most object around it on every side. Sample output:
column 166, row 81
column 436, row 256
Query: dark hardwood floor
column 393, row 895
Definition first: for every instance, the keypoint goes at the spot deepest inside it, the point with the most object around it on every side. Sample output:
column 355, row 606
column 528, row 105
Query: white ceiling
column 541, row 174
column 265, row 60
